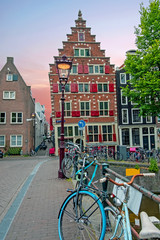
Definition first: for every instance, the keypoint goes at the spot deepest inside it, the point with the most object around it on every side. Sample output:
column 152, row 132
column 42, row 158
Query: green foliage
column 137, row 166
column 14, row 151
column 144, row 65
column 153, row 166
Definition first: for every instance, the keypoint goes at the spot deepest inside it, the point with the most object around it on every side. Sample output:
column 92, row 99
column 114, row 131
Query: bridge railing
column 144, row 191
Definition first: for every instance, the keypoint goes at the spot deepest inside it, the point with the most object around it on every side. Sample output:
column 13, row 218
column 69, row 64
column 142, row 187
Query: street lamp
column 63, row 66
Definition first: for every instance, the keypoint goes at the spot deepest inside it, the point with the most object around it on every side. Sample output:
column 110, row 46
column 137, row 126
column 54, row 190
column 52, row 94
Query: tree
column 144, row 66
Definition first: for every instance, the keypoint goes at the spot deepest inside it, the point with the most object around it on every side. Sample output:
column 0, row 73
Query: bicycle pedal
column 70, row 190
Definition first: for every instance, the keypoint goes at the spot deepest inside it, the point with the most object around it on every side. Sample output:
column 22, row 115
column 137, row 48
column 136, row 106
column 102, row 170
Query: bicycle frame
column 124, row 217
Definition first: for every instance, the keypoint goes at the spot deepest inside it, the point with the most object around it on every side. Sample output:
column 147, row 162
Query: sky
column 32, row 31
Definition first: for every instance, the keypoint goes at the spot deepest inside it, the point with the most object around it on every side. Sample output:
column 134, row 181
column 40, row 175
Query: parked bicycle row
column 88, row 212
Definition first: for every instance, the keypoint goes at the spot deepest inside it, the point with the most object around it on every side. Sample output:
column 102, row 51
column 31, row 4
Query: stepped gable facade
column 90, row 93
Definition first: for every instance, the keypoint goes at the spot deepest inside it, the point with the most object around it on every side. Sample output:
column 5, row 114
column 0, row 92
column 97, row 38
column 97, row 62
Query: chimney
column 10, row 59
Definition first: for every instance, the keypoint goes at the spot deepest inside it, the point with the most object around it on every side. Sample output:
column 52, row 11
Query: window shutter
column 114, row 137
column 93, row 87
column 80, row 68
column 107, row 69
column 100, row 138
column 111, row 87
column 58, row 114
column 74, row 87
column 75, row 113
column 110, row 112
column 51, row 125
column 94, row 113
column 55, row 87
column 15, row 77
column 85, row 69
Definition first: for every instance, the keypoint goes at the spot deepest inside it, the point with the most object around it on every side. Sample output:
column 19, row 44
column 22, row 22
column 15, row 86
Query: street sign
column 59, row 121
column 81, row 124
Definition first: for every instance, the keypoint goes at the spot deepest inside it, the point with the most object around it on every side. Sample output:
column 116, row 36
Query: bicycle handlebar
column 130, row 182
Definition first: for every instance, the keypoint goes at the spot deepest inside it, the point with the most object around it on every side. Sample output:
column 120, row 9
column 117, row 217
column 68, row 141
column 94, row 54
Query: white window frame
column 9, row 77
column 16, row 118
column 121, row 78
column 83, row 37
column 122, row 98
column 126, row 110
column 85, row 110
column 83, row 86
column 67, row 113
column 3, row 145
column 149, row 120
column 4, row 118
column 76, row 65
column 94, row 66
column 103, row 110
column 103, row 86
column 137, row 109
column 16, row 145
column 9, row 95
column 80, row 52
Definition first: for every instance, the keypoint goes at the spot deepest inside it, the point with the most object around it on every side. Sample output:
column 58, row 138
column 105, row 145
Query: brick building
column 17, row 105
column 90, row 93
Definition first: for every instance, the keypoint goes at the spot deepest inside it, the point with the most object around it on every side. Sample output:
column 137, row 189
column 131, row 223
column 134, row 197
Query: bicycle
column 118, row 223
column 69, row 163
column 82, row 215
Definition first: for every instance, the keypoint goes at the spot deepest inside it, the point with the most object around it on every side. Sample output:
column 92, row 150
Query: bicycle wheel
column 114, row 229
column 118, row 156
column 82, row 217
column 67, row 167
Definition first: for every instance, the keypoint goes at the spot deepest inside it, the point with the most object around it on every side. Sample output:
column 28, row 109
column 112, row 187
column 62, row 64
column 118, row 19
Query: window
column 9, row 94
column 68, row 131
column 135, row 136
column 96, row 69
column 124, row 116
column 148, row 119
column 103, row 106
column 135, row 116
column 102, row 87
column 76, row 131
column 67, row 109
column 85, row 108
column 81, row 36
column 124, row 100
column 81, row 52
column 67, row 88
column 2, row 141
column 16, row 117
column 93, row 133
column 11, row 77
column 2, row 117
column 158, row 119
column 125, row 136
column 107, row 133
column 122, row 78
column 16, row 140
column 74, row 69
column 83, row 87
column 90, row 68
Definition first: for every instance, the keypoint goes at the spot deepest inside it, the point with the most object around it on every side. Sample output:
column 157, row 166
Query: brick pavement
column 36, row 218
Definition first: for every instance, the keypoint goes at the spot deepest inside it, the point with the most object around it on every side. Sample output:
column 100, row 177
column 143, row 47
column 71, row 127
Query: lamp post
column 63, row 66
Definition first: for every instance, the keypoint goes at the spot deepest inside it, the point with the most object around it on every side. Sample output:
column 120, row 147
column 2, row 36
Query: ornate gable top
column 80, row 15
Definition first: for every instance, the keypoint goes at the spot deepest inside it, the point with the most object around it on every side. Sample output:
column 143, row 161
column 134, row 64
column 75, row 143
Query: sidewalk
column 37, row 217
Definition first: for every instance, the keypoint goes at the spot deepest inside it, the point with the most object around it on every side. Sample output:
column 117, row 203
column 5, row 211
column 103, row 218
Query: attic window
column 81, row 37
